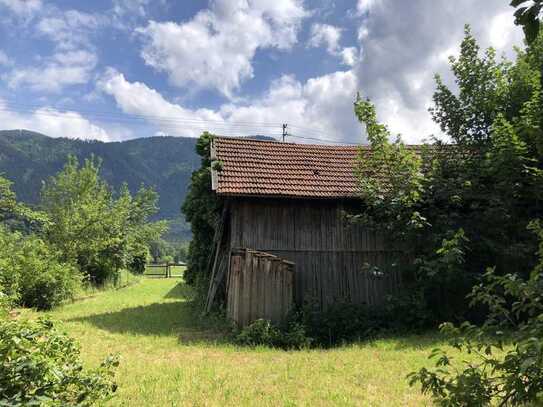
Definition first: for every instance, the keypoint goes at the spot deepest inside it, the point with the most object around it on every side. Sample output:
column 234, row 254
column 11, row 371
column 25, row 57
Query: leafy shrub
column 139, row 260
column 348, row 322
column 9, row 278
column 49, row 286
column 441, row 278
column 41, row 366
column 31, row 274
column 510, row 377
column 5, row 304
column 341, row 322
column 260, row 332
column 263, row 332
column 408, row 311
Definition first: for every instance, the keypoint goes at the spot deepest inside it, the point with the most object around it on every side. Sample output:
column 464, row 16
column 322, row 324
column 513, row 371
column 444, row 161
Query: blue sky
column 120, row 69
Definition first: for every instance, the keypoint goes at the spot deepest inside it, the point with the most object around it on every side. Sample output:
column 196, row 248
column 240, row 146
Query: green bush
column 260, row 332
column 346, row 322
column 49, row 286
column 5, row 304
column 42, row 367
column 263, row 332
column 507, row 369
column 31, row 274
column 341, row 322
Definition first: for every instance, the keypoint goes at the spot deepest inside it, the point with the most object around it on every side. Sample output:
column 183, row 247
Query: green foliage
column 202, row 209
column 162, row 251
column 443, row 280
column 263, row 332
column 17, row 215
column 342, row 322
column 346, row 322
column 31, row 274
column 507, row 368
column 486, row 184
column 94, row 230
column 389, row 177
column 41, row 366
column 467, row 117
column 471, row 202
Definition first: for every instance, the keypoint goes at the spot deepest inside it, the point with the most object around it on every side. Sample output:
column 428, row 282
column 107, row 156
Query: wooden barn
column 284, row 237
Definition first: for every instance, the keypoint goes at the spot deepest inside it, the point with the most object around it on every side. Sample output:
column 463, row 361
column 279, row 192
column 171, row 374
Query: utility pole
column 284, row 131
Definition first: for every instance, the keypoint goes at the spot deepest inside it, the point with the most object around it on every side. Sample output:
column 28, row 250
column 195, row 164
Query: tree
column 93, row 229
column 490, row 183
column 202, row 210
column 486, row 181
column 389, row 177
column 16, row 214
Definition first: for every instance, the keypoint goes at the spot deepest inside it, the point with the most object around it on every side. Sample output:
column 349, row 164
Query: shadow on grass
column 176, row 318
column 181, row 291
column 427, row 340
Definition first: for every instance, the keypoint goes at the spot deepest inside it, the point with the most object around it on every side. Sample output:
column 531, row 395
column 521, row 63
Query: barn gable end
column 290, row 200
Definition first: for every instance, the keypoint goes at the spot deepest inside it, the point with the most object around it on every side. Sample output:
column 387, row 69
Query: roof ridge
column 288, row 143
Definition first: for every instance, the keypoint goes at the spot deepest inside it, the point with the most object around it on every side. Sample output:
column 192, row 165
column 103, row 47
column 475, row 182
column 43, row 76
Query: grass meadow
column 170, row 356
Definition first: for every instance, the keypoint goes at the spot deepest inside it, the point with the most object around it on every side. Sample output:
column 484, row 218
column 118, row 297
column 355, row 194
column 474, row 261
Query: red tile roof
column 271, row 168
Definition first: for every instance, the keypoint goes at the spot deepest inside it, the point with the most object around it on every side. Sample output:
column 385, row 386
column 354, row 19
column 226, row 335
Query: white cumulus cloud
column 70, row 29
column 320, row 107
column 329, row 36
column 325, row 35
column 53, row 123
column 216, row 47
column 22, row 8
column 60, row 70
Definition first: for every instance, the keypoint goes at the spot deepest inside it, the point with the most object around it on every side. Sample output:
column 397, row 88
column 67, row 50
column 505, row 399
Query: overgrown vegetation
column 511, row 374
column 86, row 233
column 42, row 367
column 31, row 273
column 202, row 209
column 291, row 335
column 463, row 206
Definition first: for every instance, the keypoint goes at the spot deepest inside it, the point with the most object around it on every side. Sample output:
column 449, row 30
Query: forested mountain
column 166, row 163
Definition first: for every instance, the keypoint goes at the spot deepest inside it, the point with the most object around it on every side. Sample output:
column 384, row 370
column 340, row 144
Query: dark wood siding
column 332, row 257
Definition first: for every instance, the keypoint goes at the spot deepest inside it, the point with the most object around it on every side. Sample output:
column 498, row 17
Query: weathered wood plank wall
column 259, row 285
column 331, row 255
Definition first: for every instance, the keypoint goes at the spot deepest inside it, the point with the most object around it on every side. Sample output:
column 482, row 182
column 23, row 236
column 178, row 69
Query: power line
column 174, row 122
column 27, row 107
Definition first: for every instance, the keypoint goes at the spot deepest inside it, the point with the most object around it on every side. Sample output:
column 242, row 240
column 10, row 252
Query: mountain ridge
column 165, row 163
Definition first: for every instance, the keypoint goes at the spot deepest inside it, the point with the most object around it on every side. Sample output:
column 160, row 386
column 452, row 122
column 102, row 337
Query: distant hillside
column 166, row 163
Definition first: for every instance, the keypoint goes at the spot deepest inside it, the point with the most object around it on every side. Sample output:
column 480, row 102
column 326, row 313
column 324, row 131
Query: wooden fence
column 260, row 285
column 164, row 270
